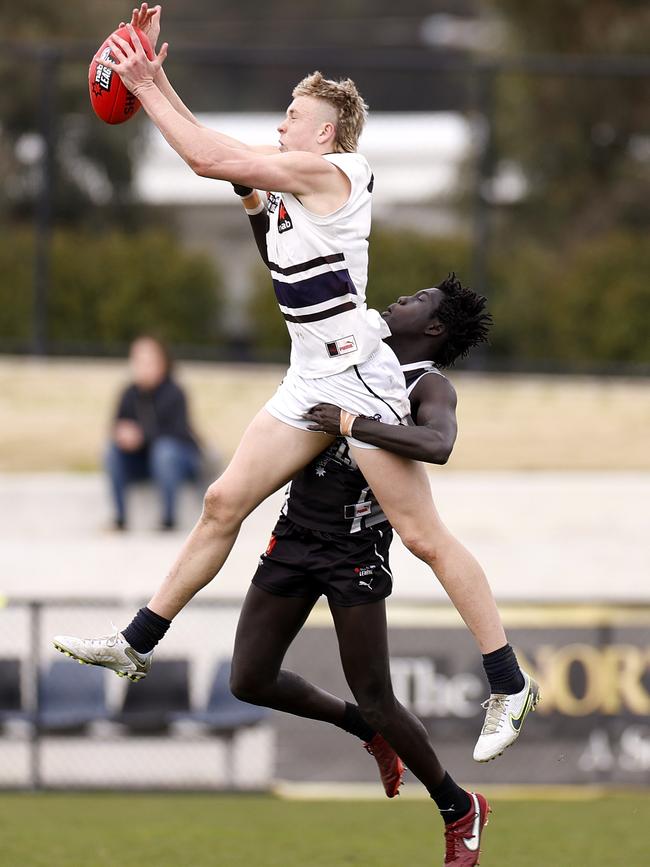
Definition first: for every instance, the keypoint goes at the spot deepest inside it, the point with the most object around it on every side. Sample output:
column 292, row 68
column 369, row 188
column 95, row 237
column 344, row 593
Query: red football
column 111, row 101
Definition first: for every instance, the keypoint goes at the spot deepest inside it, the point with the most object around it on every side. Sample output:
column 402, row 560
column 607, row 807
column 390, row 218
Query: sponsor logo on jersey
column 341, row 346
column 273, row 200
column 358, row 510
column 284, row 220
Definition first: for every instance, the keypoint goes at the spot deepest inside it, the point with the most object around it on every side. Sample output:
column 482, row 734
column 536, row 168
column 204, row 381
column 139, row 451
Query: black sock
column 354, row 723
column 452, row 801
column 145, row 630
column 502, row 670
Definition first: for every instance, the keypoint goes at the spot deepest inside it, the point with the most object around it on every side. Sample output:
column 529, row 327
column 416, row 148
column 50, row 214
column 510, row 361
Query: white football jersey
column 319, row 268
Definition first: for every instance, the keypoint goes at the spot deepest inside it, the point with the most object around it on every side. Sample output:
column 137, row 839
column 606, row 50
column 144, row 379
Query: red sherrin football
column 111, row 101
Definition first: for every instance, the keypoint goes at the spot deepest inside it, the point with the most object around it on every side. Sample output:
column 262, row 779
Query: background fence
column 67, row 726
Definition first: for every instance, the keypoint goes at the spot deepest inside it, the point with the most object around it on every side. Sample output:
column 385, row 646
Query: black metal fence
column 66, row 726
column 63, row 725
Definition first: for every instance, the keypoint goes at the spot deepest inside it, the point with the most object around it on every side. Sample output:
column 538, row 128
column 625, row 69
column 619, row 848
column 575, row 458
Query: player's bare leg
column 402, row 488
column 269, row 454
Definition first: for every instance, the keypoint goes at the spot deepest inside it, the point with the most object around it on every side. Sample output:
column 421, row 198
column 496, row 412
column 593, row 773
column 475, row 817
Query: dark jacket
column 161, row 412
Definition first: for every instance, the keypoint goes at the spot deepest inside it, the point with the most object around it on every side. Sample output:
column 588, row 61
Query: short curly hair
column 343, row 96
column 467, row 322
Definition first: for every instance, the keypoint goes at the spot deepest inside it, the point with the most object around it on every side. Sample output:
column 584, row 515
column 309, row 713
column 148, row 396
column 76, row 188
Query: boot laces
column 453, row 833
column 108, row 640
column 495, row 706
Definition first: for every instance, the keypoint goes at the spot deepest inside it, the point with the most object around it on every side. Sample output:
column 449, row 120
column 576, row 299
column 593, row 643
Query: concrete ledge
column 543, row 536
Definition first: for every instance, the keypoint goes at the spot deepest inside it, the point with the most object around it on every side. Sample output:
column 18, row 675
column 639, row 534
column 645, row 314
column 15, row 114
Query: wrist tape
column 347, row 419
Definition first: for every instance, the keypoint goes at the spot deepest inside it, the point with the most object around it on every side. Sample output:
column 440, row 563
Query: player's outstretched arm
column 147, row 19
column 206, row 153
column 430, row 439
column 164, row 85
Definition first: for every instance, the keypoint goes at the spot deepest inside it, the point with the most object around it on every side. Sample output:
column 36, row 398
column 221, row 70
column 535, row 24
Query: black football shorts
column 349, row 569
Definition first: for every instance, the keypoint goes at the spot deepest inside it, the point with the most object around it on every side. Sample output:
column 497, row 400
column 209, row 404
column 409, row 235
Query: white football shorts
column 374, row 388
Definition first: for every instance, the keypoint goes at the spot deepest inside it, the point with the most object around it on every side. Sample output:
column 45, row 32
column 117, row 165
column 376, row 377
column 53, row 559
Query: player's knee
column 420, row 545
column 220, row 508
column 246, row 687
column 376, row 703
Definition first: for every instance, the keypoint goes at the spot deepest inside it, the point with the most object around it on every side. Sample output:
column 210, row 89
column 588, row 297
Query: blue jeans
column 167, row 462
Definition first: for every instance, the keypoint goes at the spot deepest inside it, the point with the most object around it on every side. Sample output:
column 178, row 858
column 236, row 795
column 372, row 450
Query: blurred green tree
column 590, row 307
column 581, row 141
column 106, row 289
column 92, row 162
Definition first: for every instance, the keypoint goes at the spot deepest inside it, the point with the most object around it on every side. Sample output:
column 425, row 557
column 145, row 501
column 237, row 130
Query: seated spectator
column 152, row 438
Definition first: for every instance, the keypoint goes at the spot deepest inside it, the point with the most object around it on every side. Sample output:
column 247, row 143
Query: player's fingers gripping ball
column 110, row 99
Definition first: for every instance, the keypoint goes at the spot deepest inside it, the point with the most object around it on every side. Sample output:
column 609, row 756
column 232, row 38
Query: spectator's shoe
column 504, row 718
column 112, row 652
column 463, row 838
column 391, row 767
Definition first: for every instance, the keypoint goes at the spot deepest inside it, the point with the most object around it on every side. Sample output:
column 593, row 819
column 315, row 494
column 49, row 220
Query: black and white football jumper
column 332, row 537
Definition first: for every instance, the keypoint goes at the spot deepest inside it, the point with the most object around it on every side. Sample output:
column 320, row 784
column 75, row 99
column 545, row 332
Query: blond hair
column 343, row 96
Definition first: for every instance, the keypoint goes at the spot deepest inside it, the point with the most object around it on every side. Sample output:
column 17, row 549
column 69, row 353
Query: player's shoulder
column 354, row 164
column 433, row 385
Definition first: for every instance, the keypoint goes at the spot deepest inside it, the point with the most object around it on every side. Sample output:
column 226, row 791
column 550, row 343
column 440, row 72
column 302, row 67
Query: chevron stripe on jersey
column 301, row 267
column 312, row 291
column 317, row 297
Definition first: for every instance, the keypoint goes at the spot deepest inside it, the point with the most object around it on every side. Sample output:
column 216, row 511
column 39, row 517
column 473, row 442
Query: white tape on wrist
column 347, row 419
column 256, row 210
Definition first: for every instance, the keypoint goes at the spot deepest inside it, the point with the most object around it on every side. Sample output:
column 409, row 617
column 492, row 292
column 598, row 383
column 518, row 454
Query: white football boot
column 112, row 652
column 504, row 717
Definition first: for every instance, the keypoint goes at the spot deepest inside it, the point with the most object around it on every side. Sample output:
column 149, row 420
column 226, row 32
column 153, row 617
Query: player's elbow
column 435, row 457
column 200, row 166
column 443, row 452
column 204, row 162
column 435, row 450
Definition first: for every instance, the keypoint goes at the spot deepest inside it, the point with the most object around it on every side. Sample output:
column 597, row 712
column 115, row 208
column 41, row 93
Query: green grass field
column 61, row 830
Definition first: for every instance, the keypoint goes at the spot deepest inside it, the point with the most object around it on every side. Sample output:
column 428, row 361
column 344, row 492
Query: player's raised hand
column 131, row 63
column 148, row 20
